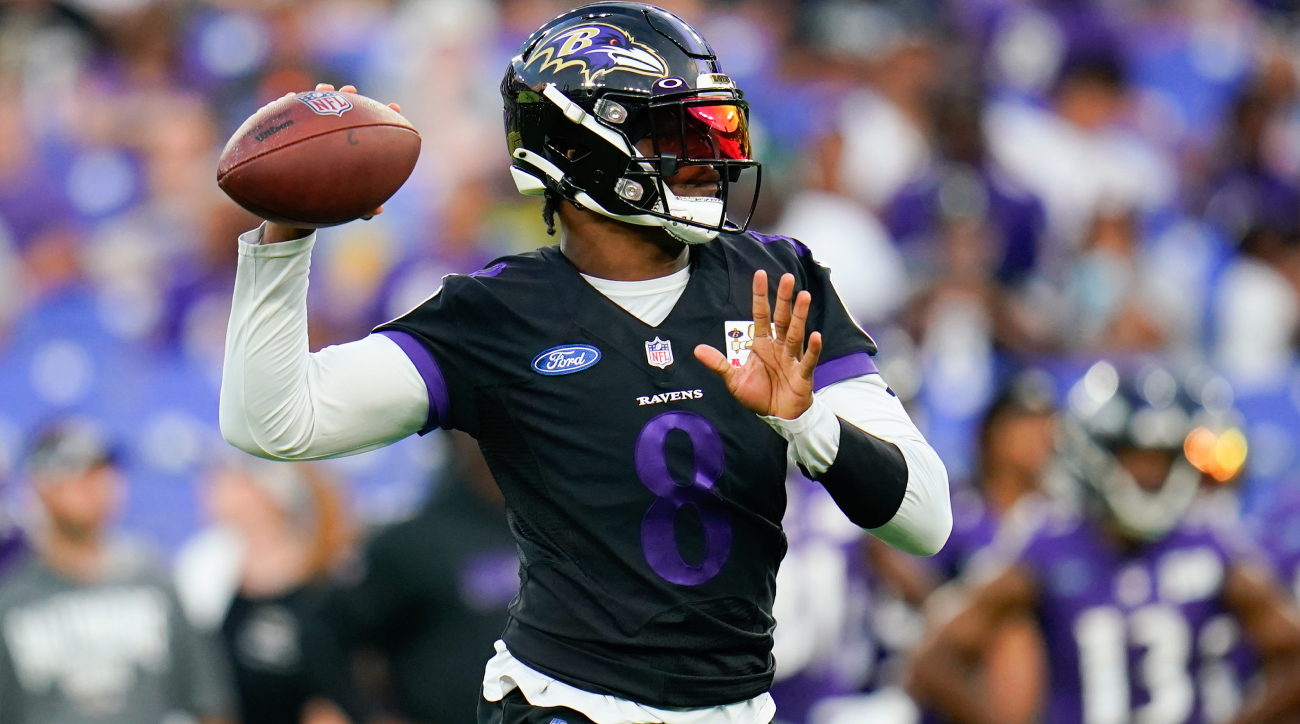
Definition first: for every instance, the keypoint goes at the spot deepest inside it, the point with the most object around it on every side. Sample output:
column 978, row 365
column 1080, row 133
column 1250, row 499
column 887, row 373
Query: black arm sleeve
column 868, row 478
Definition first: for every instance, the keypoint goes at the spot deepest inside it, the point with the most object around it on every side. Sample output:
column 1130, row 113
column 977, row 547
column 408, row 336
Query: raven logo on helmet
column 598, row 49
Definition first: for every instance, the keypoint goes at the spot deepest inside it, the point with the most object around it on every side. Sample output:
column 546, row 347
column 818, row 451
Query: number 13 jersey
column 645, row 500
column 1140, row 635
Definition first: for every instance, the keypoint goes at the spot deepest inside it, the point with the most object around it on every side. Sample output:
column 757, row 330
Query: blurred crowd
column 997, row 185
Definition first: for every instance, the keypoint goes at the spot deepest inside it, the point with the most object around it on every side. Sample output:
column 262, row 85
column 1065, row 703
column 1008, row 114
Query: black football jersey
column 645, row 500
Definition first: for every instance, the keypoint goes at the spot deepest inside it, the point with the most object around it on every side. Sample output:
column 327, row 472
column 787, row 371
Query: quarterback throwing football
column 632, row 389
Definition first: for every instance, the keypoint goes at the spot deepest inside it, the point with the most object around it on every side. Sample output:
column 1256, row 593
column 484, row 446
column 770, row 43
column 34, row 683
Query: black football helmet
column 1194, row 422
column 591, row 84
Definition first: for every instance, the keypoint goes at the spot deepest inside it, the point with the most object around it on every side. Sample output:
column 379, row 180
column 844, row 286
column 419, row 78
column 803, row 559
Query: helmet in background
column 590, row 84
column 1109, row 412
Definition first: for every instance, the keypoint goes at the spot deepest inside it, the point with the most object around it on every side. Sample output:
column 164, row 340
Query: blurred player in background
column 1017, row 445
column 572, row 367
column 92, row 628
column 1278, row 534
column 1139, row 597
column 433, row 594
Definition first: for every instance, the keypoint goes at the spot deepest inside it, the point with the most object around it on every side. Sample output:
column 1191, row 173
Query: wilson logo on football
column 566, row 359
column 598, row 49
column 326, row 103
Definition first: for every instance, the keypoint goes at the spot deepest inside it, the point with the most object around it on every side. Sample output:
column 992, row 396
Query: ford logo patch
column 566, row 359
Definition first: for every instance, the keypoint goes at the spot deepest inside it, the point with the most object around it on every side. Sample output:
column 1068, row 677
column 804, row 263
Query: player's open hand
column 777, row 377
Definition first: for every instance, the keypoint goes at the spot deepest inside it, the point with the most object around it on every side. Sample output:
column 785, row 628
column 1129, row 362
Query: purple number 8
column 658, row 539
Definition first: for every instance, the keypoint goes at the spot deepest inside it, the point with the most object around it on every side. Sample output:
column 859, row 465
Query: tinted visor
column 702, row 132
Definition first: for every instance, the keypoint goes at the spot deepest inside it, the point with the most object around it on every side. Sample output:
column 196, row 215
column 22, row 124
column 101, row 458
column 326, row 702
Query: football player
column 643, row 468
column 1139, row 597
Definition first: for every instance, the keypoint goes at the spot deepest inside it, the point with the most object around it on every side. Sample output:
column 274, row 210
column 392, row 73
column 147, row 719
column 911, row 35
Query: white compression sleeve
column 923, row 521
column 281, row 402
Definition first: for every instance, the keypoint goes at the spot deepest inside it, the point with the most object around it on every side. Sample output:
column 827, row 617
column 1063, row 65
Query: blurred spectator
column 963, row 181
column 1075, row 157
column 434, row 592
column 1257, row 308
column 845, row 236
column 283, row 529
column 882, row 124
column 966, row 217
column 93, row 630
column 198, row 298
column 1108, row 290
column 458, row 249
column 1245, row 191
column 1017, row 445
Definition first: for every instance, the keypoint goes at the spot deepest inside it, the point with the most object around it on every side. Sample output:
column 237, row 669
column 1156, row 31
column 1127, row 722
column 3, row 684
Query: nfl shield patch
column 740, row 337
column 659, row 353
column 326, row 103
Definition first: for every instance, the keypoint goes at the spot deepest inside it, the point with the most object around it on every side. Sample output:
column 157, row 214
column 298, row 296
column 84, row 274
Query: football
column 318, row 159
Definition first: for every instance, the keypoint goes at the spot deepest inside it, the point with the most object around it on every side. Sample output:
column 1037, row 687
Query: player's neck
column 1125, row 544
column 607, row 249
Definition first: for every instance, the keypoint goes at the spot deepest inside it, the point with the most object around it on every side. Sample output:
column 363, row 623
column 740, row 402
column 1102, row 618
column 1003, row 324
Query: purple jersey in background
column 1138, row 635
column 974, row 526
column 1279, row 536
column 12, row 545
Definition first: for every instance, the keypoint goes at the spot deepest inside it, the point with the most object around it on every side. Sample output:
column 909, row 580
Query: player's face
column 1023, row 442
column 1149, row 468
column 235, row 499
column 697, row 134
column 690, row 180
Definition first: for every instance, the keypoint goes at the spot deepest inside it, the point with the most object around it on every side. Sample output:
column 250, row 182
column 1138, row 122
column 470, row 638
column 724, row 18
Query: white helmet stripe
column 574, row 112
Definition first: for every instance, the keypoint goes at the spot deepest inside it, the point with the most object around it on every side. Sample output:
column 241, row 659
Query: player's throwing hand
column 777, row 377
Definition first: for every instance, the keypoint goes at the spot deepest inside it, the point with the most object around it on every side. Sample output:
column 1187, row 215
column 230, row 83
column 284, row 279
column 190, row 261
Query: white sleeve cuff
column 814, row 436
column 250, row 244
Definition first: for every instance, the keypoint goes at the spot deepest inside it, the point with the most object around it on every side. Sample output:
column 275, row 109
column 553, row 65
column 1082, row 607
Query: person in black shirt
column 434, row 593
column 287, row 533
column 634, row 392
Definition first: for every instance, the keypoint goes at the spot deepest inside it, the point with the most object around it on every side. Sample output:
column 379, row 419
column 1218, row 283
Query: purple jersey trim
column 800, row 249
column 843, row 368
column 491, row 271
column 427, row 366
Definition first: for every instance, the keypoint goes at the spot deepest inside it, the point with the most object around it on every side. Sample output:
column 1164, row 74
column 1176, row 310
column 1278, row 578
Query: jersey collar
column 697, row 310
